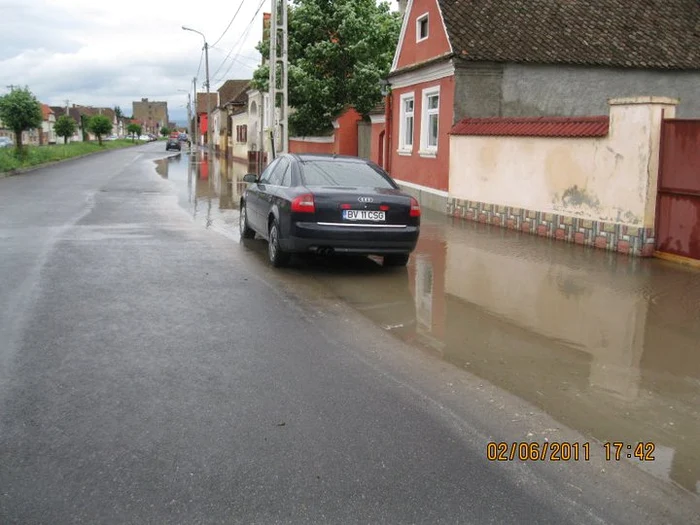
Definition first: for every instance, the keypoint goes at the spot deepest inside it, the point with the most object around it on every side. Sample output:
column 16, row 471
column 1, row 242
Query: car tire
column 396, row 259
column 246, row 231
column 275, row 254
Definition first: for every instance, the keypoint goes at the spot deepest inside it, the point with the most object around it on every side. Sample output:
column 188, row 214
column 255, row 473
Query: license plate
column 363, row 215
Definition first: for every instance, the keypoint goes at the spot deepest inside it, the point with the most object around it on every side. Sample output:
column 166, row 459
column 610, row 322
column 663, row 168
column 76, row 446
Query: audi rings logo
column 365, row 199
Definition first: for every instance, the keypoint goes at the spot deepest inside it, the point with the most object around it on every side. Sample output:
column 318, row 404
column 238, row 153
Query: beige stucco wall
column 47, row 128
column 258, row 121
column 239, row 149
column 558, row 300
column 611, row 179
column 216, row 117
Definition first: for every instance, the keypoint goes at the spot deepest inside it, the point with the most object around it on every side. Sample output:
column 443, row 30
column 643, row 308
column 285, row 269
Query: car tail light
column 415, row 208
column 384, row 207
column 304, row 204
column 345, row 207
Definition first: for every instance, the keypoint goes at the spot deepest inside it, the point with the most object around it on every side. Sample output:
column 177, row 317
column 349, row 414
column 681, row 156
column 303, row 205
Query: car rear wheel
column 246, row 231
column 274, row 250
column 396, row 259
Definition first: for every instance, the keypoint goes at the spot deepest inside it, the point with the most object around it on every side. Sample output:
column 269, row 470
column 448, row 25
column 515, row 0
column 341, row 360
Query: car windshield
column 339, row 173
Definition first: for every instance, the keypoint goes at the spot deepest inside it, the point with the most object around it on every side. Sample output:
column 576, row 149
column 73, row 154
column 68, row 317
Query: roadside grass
column 37, row 155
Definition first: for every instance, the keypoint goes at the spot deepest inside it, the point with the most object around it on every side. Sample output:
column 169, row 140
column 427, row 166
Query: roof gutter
column 413, row 67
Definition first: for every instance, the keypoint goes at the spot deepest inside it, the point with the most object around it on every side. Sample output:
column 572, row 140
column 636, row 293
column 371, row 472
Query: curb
column 22, row 171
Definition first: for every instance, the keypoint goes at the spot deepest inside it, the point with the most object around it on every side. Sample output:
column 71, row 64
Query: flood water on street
column 606, row 344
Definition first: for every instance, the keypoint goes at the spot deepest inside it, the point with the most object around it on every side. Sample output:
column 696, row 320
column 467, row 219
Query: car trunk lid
column 361, row 205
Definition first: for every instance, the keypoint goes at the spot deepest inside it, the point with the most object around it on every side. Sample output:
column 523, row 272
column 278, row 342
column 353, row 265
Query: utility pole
column 189, row 112
column 206, row 60
column 278, row 80
column 195, row 138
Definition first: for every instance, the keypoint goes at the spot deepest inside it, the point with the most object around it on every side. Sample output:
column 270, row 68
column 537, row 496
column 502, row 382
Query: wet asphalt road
column 153, row 371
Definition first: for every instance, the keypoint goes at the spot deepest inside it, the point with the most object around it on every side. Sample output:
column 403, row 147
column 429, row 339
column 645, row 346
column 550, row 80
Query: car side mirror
column 250, row 177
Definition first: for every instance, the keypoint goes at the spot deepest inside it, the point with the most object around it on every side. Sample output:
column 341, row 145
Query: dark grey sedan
column 328, row 204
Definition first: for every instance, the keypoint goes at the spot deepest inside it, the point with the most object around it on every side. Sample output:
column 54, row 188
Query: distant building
column 74, row 113
column 202, row 112
column 151, row 114
column 47, row 136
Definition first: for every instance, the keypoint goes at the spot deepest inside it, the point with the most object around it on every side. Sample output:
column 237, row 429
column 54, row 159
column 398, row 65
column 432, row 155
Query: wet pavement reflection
column 208, row 189
column 606, row 344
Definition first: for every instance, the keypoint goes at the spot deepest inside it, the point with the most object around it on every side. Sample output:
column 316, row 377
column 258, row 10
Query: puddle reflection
column 606, row 344
column 208, row 188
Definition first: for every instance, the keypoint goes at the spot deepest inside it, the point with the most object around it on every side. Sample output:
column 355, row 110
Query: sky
column 110, row 53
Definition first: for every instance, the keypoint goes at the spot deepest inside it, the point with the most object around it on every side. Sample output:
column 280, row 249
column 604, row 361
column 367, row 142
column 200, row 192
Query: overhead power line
column 250, row 59
column 229, row 24
column 199, row 67
column 241, row 40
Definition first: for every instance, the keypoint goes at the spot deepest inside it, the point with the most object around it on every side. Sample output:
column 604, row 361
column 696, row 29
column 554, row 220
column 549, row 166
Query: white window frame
column 426, row 17
column 425, row 149
column 404, row 148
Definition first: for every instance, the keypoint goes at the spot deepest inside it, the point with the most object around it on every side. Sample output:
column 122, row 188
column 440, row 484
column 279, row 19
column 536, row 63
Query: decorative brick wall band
column 605, row 235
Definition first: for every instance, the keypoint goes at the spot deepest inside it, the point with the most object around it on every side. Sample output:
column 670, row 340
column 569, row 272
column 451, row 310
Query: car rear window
column 339, row 173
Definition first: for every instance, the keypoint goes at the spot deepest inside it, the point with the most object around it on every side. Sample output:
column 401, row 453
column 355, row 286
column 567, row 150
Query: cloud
column 114, row 53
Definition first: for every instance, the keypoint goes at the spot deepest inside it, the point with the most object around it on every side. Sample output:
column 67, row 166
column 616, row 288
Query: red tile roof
column 231, row 91
column 46, row 111
column 533, row 126
column 202, row 101
column 646, row 34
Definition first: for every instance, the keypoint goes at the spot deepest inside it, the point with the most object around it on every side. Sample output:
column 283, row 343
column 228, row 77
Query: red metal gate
column 678, row 199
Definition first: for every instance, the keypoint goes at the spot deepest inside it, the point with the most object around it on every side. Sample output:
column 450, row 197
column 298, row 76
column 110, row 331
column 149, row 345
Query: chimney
column 402, row 6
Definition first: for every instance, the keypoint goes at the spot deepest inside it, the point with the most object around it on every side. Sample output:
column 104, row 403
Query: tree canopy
column 20, row 111
column 100, row 125
column 65, row 127
column 339, row 50
column 134, row 130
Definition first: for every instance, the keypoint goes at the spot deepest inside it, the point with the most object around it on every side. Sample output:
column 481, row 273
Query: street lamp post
column 189, row 111
column 206, row 62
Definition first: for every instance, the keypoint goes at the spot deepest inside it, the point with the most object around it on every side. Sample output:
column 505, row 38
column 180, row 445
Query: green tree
column 338, row 53
column 134, row 130
column 20, row 111
column 118, row 112
column 165, row 131
column 65, row 127
column 100, row 125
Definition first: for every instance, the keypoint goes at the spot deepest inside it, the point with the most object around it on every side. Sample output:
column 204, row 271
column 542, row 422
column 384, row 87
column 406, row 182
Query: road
column 155, row 371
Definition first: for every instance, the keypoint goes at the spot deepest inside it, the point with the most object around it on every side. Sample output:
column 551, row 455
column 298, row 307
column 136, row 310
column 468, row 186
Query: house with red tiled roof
column 47, row 136
column 460, row 59
column 37, row 136
column 230, row 126
column 75, row 114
